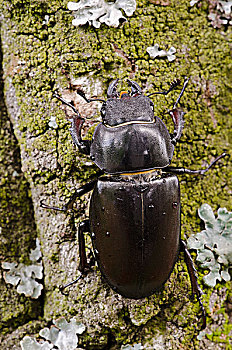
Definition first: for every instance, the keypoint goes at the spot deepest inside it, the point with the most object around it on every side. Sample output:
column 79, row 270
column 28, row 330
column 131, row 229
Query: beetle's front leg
column 193, row 278
column 75, row 130
column 177, row 116
column 77, row 123
column 173, row 85
column 178, row 121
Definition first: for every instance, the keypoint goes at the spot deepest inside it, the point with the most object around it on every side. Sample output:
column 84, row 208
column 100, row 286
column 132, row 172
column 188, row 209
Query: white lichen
column 62, row 336
column 96, row 12
column 214, row 244
column 132, row 347
column 24, row 276
column 220, row 12
column 29, row 343
column 154, row 52
column 193, row 2
column 225, row 6
column 52, row 122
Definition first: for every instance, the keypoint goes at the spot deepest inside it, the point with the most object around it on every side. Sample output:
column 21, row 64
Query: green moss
column 46, row 58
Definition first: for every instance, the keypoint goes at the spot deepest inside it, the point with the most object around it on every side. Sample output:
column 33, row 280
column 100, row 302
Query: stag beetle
column 134, row 214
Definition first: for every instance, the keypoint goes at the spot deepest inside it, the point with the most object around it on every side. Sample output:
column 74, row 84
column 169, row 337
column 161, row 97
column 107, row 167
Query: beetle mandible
column 134, row 214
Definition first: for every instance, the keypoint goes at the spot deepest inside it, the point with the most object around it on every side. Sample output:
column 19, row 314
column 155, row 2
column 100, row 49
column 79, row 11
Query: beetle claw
column 45, row 206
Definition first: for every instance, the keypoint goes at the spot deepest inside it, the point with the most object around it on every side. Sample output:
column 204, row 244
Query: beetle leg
column 194, row 172
column 82, row 227
column 177, row 116
column 178, row 121
column 78, row 193
column 75, row 130
column 77, row 123
column 181, row 93
column 193, row 278
column 173, row 85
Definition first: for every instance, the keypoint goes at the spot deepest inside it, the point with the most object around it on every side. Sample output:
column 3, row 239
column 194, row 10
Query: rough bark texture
column 39, row 161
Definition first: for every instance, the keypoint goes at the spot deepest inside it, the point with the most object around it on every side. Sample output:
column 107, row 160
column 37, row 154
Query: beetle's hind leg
column 84, row 265
column 193, row 278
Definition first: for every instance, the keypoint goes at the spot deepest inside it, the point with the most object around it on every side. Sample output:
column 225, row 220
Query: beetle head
column 127, row 106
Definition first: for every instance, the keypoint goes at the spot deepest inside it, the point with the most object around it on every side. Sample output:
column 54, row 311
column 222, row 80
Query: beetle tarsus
column 67, row 103
column 88, row 100
column 82, row 227
column 196, row 290
column 181, row 93
column 61, row 288
column 45, row 206
column 173, row 85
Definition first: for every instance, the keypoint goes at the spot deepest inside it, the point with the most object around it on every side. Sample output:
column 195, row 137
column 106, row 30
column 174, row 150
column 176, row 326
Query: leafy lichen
column 96, row 12
column 54, row 53
column 62, row 336
column 155, row 52
column 24, row 276
column 214, row 244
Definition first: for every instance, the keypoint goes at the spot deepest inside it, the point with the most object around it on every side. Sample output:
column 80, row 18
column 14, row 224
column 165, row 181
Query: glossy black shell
column 132, row 147
column 130, row 138
column 135, row 227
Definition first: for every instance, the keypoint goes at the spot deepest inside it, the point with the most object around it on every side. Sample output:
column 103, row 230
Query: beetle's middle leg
column 78, row 193
column 193, row 278
column 176, row 170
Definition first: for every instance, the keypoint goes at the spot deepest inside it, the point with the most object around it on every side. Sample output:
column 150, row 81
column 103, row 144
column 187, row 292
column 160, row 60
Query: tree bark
column 39, row 162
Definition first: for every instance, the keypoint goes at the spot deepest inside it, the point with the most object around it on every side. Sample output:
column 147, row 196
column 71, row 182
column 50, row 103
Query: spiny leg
column 181, row 93
column 178, row 116
column 193, row 278
column 78, row 193
column 76, row 126
column 178, row 120
column 83, row 266
column 173, row 85
column 194, row 172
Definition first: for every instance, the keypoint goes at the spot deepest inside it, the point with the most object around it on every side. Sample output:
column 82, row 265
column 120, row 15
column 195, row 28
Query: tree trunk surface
column 42, row 53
